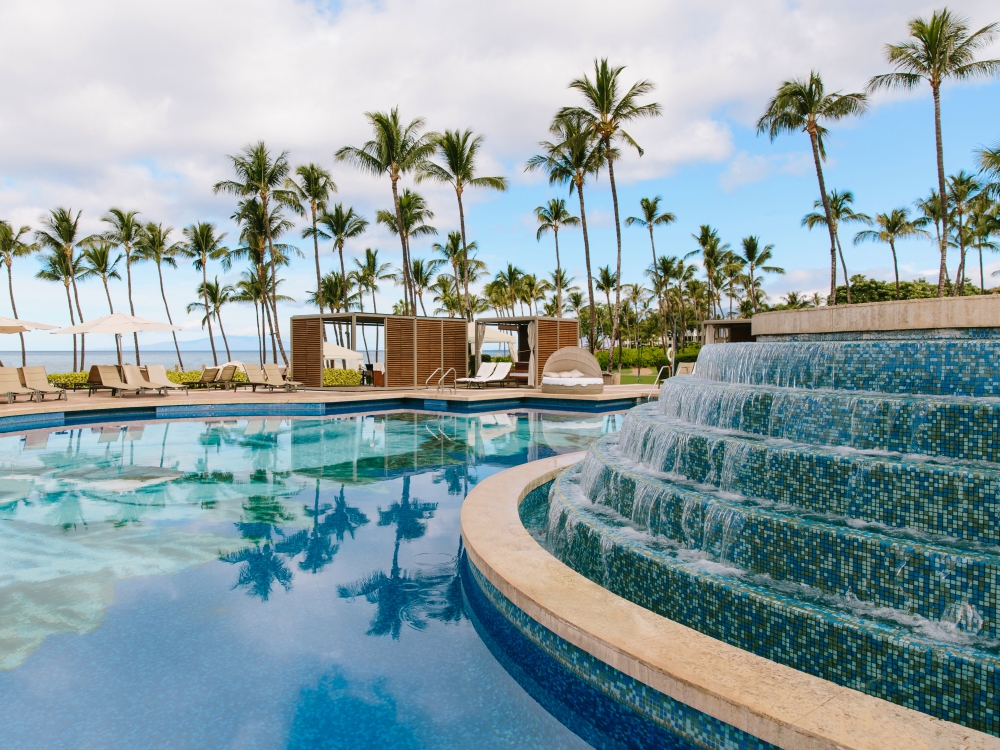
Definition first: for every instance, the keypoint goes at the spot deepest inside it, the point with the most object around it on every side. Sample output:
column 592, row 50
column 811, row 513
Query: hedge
column 70, row 378
column 174, row 376
column 341, row 377
column 651, row 357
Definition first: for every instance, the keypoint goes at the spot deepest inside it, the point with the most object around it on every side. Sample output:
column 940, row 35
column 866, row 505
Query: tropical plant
column 203, row 243
column 56, row 268
column 96, row 261
column 368, row 275
column 250, row 290
column 125, row 232
column 984, row 223
column 414, row 213
column 803, row 104
column 552, row 217
column 313, row 190
column 261, row 177
column 451, row 253
column 154, row 245
column 422, row 272
column 988, row 160
column 963, row 189
column 930, row 209
column 394, row 151
column 756, row 258
column 457, row 151
column 607, row 282
column 713, row 256
column 214, row 296
column 60, row 233
column 576, row 154
column 340, row 225
column 650, row 219
column 938, row 48
column 892, row 227
column 841, row 211
column 13, row 246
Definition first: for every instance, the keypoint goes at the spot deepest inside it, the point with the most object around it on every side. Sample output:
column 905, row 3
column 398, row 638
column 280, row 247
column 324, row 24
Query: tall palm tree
column 205, row 244
column 988, row 160
column 422, row 272
column 250, row 290
column 368, row 275
column 414, row 213
column 984, row 223
column 712, row 250
column 12, row 246
column 261, row 177
column 963, row 189
column 511, row 278
column 650, row 219
column 96, row 261
column 125, row 232
column 340, row 225
column 930, row 209
column 757, row 258
column 61, row 233
column 803, row 104
column 607, row 108
column 606, row 283
column 937, row 49
column 892, row 227
column 576, row 154
column 841, row 212
column 56, row 267
column 394, row 150
column 552, row 217
column 214, row 296
column 313, row 190
column 451, row 253
column 457, row 151
column 154, row 245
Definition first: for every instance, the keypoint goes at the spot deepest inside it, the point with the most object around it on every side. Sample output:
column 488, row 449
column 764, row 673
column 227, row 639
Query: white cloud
column 746, row 168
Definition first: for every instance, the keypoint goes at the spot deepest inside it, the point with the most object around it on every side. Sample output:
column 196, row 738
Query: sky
column 137, row 105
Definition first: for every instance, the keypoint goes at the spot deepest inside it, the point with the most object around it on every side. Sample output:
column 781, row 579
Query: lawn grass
column 632, row 379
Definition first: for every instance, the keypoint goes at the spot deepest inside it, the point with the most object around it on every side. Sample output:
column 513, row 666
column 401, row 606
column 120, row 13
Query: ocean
column 63, row 361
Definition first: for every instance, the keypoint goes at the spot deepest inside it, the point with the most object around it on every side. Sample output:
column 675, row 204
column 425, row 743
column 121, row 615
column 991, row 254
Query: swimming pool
column 252, row 583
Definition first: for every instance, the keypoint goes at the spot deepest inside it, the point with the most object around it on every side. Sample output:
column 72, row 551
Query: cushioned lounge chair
column 157, row 375
column 107, row 378
column 485, row 370
column 500, row 376
column 10, row 385
column 36, row 379
column 572, row 370
column 273, row 374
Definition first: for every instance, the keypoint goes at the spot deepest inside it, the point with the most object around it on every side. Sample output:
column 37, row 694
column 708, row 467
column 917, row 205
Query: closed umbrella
column 15, row 325
column 118, row 324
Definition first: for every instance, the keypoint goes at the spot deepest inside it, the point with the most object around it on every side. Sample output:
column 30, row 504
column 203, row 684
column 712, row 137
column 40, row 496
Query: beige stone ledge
column 776, row 703
column 911, row 314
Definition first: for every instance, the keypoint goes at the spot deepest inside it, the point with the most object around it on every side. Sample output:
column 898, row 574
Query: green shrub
column 69, row 378
column 341, row 377
column 183, row 376
column 652, row 357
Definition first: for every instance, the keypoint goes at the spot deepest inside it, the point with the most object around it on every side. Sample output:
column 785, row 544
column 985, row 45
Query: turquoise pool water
column 261, row 584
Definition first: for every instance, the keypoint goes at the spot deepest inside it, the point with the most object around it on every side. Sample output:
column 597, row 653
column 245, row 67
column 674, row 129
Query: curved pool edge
column 774, row 703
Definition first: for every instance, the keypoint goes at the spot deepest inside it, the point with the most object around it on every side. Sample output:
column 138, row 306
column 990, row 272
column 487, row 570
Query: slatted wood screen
column 399, row 352
column 546, row 343
column 455, row 347
column 569, row 333
column 307, row 352
column 429, row 348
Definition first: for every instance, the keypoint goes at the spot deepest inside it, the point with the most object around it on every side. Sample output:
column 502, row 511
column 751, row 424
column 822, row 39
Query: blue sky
column 136, row 106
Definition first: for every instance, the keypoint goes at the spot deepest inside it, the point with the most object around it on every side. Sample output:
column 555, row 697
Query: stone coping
column 911, row 314
column 773, row 702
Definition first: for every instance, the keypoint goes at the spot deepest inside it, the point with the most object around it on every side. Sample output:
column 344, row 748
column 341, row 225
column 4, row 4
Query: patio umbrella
column 117, row 324
column 15, row 325
column 493, row 336
column 334, row 351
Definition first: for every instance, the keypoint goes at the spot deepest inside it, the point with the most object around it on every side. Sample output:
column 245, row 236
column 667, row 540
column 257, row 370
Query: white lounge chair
column 500, row 376
column 485, row 370
column 157, row 375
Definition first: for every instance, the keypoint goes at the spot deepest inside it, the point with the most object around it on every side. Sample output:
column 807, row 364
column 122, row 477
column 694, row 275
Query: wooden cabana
column 537, row 339
column 414, row 347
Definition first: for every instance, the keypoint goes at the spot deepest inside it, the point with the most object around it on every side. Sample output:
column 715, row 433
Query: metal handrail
column 427, row 383
column 454, row 382
column 649, row 396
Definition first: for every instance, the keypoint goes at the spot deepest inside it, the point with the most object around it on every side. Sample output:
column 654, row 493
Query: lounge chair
column 157, row 375
column 135, row 379
column 255, row 378
column 208, row 376
column 107, row 378
column 572, row 370
column 36, row 379
column 485, row 370
column 500, row 376
column 10, row 385
column 225, row 378
column 273, row 374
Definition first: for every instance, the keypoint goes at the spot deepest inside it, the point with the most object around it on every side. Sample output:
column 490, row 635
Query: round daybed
column 572, row 370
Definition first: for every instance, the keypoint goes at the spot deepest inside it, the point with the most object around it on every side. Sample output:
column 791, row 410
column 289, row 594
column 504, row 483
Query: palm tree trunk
column 260, row 339
column 559, row 302
column 375, row 309
column 13, row 307
column 83, row 336
column 420, row 296
column 465, row 256
column 829, row 218
column 204, row 299
column 218, row 316
column 618, row 268
column 266, row 308
column 982, row 282
column 72, row 319
column 895, row 264
column 936, row 90
column 131, row 307
column 407, row 290
column 847, row 279
column 319, row 277
column 274, row 280
column 343, row 275
column 959, row 289
column 163, row 293
column 590, row 277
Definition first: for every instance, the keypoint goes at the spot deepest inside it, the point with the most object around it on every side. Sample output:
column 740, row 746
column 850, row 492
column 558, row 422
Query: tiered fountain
column 826, row 500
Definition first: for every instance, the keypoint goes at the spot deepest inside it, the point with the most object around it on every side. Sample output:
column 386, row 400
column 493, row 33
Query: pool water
column 260, row 584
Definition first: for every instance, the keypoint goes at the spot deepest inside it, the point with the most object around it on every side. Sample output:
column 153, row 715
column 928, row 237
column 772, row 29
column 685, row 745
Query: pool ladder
column 649, row 396
column 454, row 383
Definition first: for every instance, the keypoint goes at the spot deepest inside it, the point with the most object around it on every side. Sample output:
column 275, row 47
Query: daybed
column 572, row 370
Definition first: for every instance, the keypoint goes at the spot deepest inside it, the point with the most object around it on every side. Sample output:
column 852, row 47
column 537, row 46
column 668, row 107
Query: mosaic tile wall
column 903, row 335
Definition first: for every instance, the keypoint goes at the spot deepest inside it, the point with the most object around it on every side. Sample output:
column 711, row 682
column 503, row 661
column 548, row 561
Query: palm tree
column 561, row 282
column 577, row 153
column 930, row 209
column 313, row 189
column 457, row 151
column 988, row 160
column 841, row 211
column 340, row 225
column 394, row 151
column 963, row 189
column 56, row 267
column 96, row 261
column 984, row 222
column 533, row 290
column 451, row 253
column 893, row 226
column 414, row 213
column 650, row 219
column 12, row 246
column 153, row 246
column 756, row 258
column 712, row 251
column 60, row 233
column 125, row 232
column 250, row 290
column 260, row 176
column 606, row 283
column 511, row 278
column 553, row 216
column 803, row 104
column 368, row 275
column 422, row 272
column 214, row 296
column 938, row 49
column 204, row 244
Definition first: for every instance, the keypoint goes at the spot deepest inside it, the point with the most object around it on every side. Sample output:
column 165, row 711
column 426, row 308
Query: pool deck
column 78, row 406
column 776, row 703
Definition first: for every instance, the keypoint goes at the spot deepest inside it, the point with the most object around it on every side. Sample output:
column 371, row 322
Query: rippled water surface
column 257, row 584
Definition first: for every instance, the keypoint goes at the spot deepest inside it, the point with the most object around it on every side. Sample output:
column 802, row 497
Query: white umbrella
column 117, row 324
column 335, row 351
column 492, row 335
column 15, row 325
